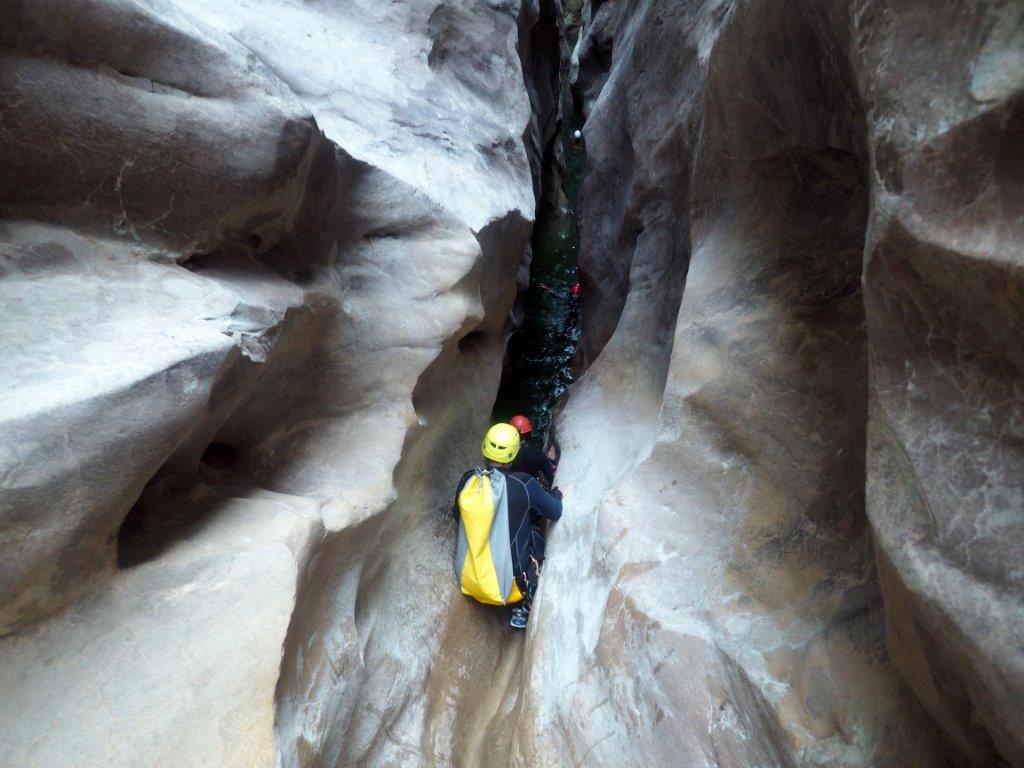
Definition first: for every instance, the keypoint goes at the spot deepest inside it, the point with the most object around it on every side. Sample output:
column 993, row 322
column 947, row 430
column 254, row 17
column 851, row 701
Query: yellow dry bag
column 483, row 558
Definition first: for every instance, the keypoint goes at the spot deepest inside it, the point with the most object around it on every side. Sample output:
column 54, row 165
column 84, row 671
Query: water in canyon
column 538, row 366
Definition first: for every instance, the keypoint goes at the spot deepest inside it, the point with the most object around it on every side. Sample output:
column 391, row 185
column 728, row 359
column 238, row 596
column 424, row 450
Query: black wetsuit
column 528, row 504
column 535, row 463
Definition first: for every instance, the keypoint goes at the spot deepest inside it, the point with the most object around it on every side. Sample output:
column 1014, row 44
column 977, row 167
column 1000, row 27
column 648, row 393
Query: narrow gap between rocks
column 538, row 361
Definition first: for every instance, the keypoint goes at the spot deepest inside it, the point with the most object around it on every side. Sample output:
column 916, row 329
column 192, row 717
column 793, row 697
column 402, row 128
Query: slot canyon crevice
column 264, row 267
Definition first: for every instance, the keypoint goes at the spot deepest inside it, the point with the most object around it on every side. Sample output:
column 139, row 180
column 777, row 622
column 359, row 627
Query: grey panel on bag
column 501, row 546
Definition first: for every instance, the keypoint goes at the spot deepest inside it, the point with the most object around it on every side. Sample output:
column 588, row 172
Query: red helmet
column 522, row 424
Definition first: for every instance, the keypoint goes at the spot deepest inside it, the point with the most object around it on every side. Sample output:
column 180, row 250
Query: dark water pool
column 539, row 353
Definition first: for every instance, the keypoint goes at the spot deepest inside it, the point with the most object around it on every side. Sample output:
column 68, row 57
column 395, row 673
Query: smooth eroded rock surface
column 257, row 264
column 943, row 281
column 733, row 583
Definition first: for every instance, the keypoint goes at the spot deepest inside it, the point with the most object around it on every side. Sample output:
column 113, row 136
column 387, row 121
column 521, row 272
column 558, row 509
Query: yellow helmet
column 501, row 443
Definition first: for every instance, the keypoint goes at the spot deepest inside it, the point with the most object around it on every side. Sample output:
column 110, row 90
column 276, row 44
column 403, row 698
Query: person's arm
column 547, row 471
column 547, row 503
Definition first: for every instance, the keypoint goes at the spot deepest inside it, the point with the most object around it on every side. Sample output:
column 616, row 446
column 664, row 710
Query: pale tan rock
column 258, row 261
column 730, row 603
column 943, row 277
column 257, row 266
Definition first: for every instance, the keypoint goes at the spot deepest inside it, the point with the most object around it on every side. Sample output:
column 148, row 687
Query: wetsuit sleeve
column 547, row 469
column 549, row 505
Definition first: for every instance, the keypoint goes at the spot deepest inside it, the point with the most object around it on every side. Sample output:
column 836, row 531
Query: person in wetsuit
column 529, row 504
column 530, row 459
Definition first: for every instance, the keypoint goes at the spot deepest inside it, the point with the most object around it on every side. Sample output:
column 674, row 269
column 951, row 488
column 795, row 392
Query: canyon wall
column 257, row 266
column 257, row 263
column 792, row 535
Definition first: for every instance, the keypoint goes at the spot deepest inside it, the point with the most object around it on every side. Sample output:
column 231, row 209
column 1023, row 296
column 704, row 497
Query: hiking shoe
column 520, row 614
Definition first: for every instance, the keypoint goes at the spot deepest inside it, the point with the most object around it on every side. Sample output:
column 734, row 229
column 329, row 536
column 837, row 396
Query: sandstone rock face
column 943, row 281
column 257, row 264
column 592, row 57
column 733, row 584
